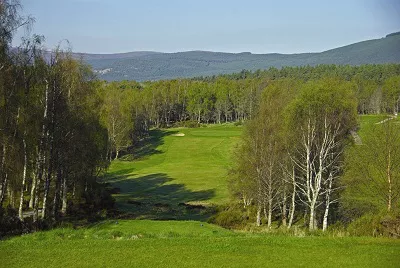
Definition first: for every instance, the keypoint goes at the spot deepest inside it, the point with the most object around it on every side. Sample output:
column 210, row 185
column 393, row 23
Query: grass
column 173, row 170
column 168, row 174
column 143, row 243
column 368, row 122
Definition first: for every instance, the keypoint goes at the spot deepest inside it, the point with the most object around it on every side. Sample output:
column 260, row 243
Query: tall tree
column 322, row 117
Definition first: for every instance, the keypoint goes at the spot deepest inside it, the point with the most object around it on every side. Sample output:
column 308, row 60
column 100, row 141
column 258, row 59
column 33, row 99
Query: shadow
column 155, row 196
column 147, row 146
column 121, row 172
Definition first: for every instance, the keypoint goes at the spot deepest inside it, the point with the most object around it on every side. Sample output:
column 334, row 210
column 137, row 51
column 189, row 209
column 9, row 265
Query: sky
column 281, row 26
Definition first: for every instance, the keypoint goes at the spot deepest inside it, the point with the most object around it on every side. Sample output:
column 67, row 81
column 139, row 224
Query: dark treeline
column 52, row 143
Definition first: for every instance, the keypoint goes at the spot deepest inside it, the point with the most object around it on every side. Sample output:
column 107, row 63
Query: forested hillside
column 142, row 66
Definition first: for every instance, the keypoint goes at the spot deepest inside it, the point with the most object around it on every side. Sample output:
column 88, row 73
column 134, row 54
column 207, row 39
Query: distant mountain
column 146, row 65
column 127, row 55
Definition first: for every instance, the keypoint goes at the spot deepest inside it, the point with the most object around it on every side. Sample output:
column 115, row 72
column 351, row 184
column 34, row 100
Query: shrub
column 10, row 223
column 188, row 124
column 376, row 225
column 230, row 217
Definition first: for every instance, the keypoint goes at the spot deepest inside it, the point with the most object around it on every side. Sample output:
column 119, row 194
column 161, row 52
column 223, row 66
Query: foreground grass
column 176, row 166
column 189, row 244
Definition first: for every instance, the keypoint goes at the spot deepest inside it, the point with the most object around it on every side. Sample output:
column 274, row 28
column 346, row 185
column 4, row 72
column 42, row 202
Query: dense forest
column 61, row 127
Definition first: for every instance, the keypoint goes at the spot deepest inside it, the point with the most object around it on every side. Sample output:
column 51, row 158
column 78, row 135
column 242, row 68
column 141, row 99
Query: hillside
column 142, row 66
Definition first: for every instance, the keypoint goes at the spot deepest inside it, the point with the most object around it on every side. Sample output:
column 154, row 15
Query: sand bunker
column 178, row 134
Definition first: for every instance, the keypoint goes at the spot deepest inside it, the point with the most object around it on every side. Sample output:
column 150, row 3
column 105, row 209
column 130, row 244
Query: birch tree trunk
column 46, row 192
column 21, row 199
column 33, row 191
column 312, row 224
column 64, row 196
column 284, row 212
column 269, row 212
column 259, row 200
column 389, row 180
column 258, row 220
column 327, row 203
column 36, row 202
column 293, row 206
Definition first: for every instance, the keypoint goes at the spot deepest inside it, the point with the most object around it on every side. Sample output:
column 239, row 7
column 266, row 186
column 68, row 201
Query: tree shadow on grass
column 155, row 196
column 147, row 146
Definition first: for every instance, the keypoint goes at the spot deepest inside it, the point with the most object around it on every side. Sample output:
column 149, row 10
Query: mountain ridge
column 152, row 65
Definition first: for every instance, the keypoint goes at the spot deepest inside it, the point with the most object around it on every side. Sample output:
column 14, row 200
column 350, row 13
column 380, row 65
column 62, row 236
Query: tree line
column 131, row 108
column 53, row 145
column 297, row 161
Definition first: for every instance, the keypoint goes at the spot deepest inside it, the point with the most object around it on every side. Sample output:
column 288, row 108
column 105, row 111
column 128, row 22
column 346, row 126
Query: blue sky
column 111, row 26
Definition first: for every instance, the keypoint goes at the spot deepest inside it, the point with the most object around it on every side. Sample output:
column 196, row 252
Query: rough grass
column 170, row 170
column 189, row 244
column 368, row 122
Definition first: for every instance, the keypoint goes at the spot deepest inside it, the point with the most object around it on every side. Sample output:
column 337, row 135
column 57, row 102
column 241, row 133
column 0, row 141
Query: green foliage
column 52, row 145
column 372, row 174
column 375, row 225
column 188, row 124
column 233, row 217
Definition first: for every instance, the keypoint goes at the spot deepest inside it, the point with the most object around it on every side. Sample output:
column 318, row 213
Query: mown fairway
column 190, row 244
column 177, row 166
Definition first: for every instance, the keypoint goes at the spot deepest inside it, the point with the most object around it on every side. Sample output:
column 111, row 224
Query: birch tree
column 322, row 117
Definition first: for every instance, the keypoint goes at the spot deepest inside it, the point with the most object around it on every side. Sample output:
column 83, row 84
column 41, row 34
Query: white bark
column 258, row 220
column 284, row 212
column 293, row 206
column 269, row 212
column 33, row 191
column 64, row 196
column 316, row 157
column 45, row 196
column 21, row 199
column 327, row 202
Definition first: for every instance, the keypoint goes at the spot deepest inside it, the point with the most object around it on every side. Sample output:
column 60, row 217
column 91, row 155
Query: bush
column 10, row 223
column 93, row 205
column 376, row 225
column 230, row 217
column 188, row 124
